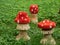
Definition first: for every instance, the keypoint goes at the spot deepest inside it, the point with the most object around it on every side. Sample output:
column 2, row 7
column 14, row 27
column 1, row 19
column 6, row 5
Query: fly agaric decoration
column 47, row 26
column 34, row 10
column 22, row 21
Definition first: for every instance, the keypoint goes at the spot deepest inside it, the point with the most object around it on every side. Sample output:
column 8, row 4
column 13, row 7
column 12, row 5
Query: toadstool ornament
column 34, row 10
column 22, row 21
column 47, row 26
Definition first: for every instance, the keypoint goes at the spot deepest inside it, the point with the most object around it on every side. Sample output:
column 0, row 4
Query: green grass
column 48, row 9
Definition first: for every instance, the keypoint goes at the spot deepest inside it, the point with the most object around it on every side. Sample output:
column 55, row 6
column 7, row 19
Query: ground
column 48, row 9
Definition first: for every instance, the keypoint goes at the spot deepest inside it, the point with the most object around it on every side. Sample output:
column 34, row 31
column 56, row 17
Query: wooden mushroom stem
column 48, row 39
column 23, row 31
column 47, row 32
column 34, row 18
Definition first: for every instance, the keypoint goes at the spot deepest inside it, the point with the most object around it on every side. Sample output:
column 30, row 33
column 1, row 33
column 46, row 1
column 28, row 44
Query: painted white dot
column 43, row 21
column 26, row 16
column 32, row 10
column 25, row 19
column 50, row 26
column 22, row 17
column 20, row 13
column 17, row 21
column 35, row 8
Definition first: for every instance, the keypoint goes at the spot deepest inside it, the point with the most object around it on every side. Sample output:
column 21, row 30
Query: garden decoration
column 23, row 25
column 34, row 10
column 46, row 26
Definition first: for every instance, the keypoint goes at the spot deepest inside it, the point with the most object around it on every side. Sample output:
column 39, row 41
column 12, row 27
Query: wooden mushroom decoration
column 47, row 26
column 34, row 10
column 22, row 21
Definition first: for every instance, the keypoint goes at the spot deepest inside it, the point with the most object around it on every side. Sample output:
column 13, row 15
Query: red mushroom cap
column 34, row 9
column 46, row 24
column 22, row 18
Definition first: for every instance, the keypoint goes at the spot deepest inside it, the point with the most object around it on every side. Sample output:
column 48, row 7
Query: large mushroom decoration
column 47, row 26
column 22, row 21
column 34, row 10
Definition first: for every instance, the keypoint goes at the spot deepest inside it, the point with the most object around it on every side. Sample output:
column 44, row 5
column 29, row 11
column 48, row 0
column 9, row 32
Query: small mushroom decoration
column 34, row 10
column 47, row 26
column 22, row 21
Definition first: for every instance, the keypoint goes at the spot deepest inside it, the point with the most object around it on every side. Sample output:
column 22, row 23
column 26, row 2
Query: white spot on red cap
column 32, row 10
column 22, row 17
column 33, row 5
column 26, row 16
column 20, row 13
column 35, row 8
column 17, row 21
column 25, row 19
column 43, row 21
column 50, row 26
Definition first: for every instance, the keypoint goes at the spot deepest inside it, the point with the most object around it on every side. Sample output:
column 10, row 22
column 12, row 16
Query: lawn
column 48, row 9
